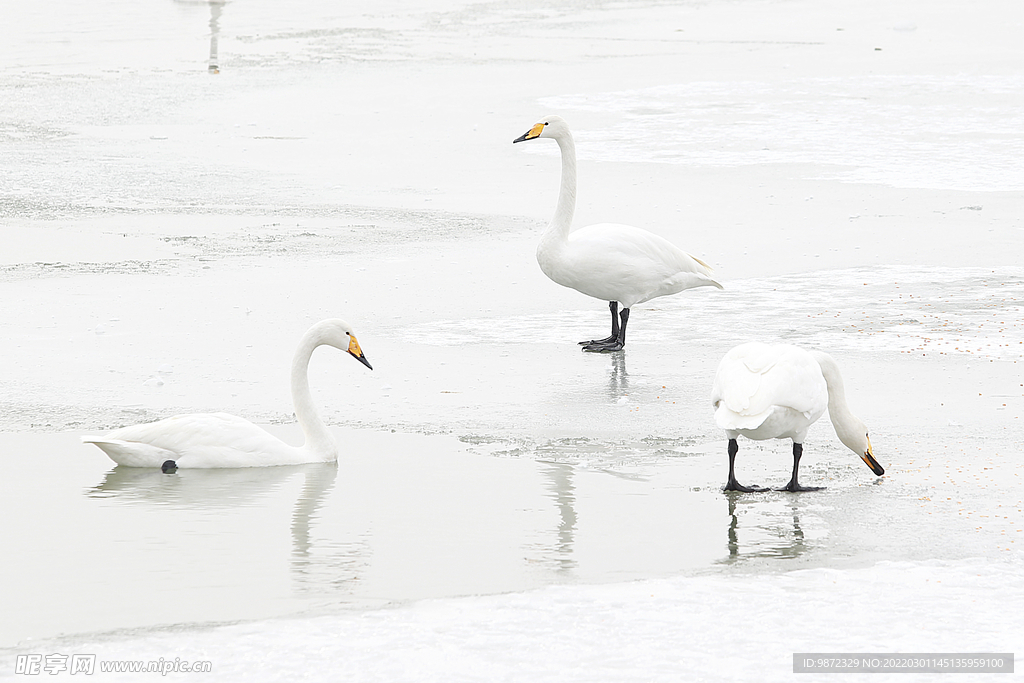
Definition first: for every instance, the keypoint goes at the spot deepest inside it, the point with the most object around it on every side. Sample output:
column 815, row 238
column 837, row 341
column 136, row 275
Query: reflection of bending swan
column 619, row 264
column 222, row 440
column 777, row 392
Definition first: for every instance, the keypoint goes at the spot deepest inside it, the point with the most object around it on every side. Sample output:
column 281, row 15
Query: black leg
column 618, row 338
column 794, row 485
column 613, row 306
column 734, row 485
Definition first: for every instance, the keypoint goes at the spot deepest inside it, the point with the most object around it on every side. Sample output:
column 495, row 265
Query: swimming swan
column 221, row 440
column 777, row 392
column 619, row 264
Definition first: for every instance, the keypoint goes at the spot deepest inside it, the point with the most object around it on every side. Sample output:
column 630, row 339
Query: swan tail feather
column 706, row 278
column 714, row 283
column 731, row 420
column 131, row 453
column 710, row 269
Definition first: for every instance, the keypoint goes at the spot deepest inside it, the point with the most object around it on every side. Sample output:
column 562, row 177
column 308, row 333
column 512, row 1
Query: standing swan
column 221, row 440
column 777, row 392
column 619, row 264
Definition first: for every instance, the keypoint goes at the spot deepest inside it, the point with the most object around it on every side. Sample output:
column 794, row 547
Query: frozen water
column 943, row 310
column 507, row 507
column 872, row 129
column 703, row 626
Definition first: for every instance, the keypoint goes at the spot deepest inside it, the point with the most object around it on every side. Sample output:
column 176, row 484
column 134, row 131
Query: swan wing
column 197, row 440
column 131, row 453
column 756, row 380
column 628, row 264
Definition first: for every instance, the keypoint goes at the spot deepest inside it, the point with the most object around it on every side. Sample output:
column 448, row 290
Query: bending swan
column 619, row 264
column 208, row 440
column 778, row 392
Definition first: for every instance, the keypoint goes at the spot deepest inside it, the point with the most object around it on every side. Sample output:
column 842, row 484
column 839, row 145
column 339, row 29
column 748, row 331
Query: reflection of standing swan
column 216, row 7
column 222, row 440
column 561, row 488
column 777, row 392
column 619, row 264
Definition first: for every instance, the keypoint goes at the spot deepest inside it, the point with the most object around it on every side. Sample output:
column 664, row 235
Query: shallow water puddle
column 96, row 547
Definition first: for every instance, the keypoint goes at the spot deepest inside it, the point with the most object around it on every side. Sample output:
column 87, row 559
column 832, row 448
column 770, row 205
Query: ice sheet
column 525, row 511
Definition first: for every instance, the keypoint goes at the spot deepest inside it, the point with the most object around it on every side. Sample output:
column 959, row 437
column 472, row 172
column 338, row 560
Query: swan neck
column 838, row 410
column 562, row 221
column 318, row 437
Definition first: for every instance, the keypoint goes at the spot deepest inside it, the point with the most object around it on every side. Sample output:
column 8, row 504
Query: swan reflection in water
column 561, row 489
column 216, row 9
column 765, row 531
column 198, row 489
column 316, row 565
column 327, row 564
column 618, row 378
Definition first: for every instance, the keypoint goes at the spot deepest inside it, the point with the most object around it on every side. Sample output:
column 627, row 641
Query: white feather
column 207, row 440
column 769, row 392
column 778, row 392
column 608, row 261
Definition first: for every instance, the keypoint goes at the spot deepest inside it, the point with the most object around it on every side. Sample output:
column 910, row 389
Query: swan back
column 757, row 381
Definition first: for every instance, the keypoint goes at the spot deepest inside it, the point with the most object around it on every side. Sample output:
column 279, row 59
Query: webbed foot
column 606, row 340
column 793, row 487
column 736, row 486
column 604, row 347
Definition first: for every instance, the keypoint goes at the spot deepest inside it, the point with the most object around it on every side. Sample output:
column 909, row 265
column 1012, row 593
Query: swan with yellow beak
column 778, row 392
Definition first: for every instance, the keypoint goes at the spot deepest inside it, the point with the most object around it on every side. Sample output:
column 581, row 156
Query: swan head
column 855, row 437
column 338, row 333
column 548, row 127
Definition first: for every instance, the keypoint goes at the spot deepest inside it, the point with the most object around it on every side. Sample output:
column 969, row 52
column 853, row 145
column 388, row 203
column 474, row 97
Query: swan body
column 778, row 392
column 620, row 264
column 208, row 440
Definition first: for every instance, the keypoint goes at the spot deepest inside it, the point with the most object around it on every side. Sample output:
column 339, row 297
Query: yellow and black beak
column 530, row 134
column 357, row 353
column 869, row 460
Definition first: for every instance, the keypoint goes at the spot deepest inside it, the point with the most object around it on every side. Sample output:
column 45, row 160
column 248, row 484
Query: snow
column 702, row 628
